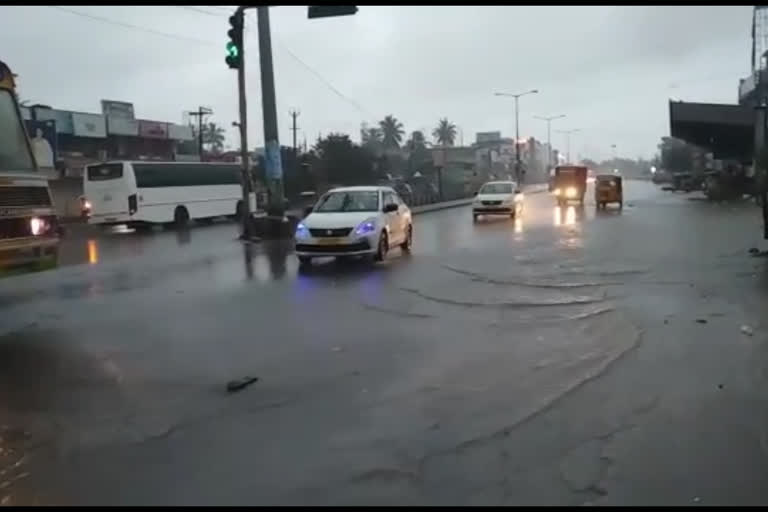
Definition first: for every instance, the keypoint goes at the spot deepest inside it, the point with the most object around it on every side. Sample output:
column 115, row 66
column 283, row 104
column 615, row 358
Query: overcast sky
column 611, row 70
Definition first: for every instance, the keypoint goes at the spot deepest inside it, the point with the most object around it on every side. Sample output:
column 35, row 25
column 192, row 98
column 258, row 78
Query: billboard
column 484, row 137
column 117, row 109
column 63, row 118
column 89, row 125
column 42, row 137
column 153, row 130
column 180, row 132
column 122, row 126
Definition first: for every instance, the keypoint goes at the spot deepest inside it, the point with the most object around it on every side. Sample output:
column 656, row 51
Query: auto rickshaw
column 608, row 189
column 570, row 183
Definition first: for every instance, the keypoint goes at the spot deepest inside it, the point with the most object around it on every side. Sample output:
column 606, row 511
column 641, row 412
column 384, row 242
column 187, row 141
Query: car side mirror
column 391, row 207
column 308, row 210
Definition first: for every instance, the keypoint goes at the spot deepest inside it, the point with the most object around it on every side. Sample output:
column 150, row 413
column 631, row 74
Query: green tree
column 214, row 136
column 676, row 155
column 392, row 132
column 419, row 157
column 373, row 140
column 445, row 133
column 342, row 162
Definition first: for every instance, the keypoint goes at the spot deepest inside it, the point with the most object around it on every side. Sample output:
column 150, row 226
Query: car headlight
column 366, row 227
column 37, row 226
column 301, row 230
column 557, row 191
column 570, row 192
column 519, row 196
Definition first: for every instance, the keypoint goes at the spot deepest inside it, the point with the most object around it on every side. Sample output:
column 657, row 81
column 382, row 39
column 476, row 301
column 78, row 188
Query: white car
column 498, row 198
column 355, row 221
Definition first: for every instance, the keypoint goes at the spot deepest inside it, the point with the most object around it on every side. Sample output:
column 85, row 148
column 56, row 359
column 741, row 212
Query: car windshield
column 497, row 188
column 349, row 201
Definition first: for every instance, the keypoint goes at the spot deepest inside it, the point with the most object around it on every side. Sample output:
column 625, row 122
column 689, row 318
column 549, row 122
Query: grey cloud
column 608, row 68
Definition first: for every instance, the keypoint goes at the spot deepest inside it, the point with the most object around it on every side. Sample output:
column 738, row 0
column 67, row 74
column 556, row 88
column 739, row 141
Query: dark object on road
column 608, row 189
column 240, row 384
column 570, row 183
column 701, row 320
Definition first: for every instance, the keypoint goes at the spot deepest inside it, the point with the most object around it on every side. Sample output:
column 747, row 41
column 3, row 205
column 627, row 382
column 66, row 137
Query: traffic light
column 326, row 11
column 235, row 45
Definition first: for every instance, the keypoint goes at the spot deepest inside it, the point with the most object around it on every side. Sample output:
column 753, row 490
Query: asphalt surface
column 567, row 357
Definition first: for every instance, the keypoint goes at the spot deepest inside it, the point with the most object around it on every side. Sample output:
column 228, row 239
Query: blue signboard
column 42, row 135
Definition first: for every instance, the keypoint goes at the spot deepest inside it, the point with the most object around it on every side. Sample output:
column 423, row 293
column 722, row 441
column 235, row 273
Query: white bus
column 140, row 193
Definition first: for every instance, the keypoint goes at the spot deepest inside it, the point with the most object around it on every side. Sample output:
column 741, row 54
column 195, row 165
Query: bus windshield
column 15, row 155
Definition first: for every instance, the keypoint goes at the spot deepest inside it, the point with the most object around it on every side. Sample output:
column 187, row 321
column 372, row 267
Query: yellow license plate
column 331, row 241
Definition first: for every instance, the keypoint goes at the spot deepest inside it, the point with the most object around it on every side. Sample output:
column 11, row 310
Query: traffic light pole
column 244, row 156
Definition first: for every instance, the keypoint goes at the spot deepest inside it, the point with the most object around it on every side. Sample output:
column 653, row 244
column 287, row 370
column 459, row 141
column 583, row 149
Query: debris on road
column 745, row 329
column 701, row 320
column 338, row 349
column 239, row 384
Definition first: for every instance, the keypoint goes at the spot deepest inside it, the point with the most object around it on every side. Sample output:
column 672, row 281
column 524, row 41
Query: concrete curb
column 535, row 189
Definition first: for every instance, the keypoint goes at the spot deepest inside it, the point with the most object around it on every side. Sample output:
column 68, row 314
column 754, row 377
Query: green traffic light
column 232, row 50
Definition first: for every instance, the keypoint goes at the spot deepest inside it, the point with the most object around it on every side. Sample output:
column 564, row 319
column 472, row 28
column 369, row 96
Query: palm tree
column 214, row 135
column 372, row 136
column 445, row 133
column 392, row 131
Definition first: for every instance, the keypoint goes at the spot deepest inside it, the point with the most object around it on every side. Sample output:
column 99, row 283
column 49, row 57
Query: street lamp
column 567, row 134
column 549, row 136
column 517, row 126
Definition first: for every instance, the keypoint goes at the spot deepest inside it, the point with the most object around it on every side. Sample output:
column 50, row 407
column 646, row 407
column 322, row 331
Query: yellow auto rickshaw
column 608, row 189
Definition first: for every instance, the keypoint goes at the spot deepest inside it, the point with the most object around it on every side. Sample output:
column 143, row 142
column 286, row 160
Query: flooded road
column 567, row 357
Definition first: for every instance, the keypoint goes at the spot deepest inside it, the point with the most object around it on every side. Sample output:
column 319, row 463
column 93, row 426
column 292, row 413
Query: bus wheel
column 181, row 217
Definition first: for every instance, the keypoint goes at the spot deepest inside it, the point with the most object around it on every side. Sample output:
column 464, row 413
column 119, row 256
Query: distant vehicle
column 355, row 221
column 498, row 198
column 608, row 189
column 28, row 225
column 570, row 184
column 141, row 193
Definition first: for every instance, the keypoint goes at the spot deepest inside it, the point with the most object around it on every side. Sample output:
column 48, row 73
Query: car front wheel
column 381, row 251
column 408, row 244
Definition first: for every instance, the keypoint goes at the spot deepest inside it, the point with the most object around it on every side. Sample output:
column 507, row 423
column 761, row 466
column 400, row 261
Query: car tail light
column 133, row 204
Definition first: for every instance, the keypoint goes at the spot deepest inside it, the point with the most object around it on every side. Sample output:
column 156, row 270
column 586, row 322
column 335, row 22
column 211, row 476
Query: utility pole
column 201, row 111
column 549, row 136
column 268, row 102
column 294, row 114
column 296, row 165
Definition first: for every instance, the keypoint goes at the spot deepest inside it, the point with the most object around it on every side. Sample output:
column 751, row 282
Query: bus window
column 105, row 172
column 15, row 154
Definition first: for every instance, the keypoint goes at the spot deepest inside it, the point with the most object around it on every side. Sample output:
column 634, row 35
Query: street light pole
column 517, row 127
column 549, row 136
column 568, row 141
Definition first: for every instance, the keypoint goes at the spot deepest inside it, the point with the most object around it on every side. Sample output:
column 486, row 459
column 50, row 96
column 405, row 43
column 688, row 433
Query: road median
column 530, row 189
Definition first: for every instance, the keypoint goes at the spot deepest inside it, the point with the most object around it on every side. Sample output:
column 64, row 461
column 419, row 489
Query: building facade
column 77, row 139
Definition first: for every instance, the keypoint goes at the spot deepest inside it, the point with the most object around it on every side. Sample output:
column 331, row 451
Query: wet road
column 568, row 357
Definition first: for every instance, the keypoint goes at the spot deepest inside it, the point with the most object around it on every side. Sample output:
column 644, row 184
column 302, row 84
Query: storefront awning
column 725, row 130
